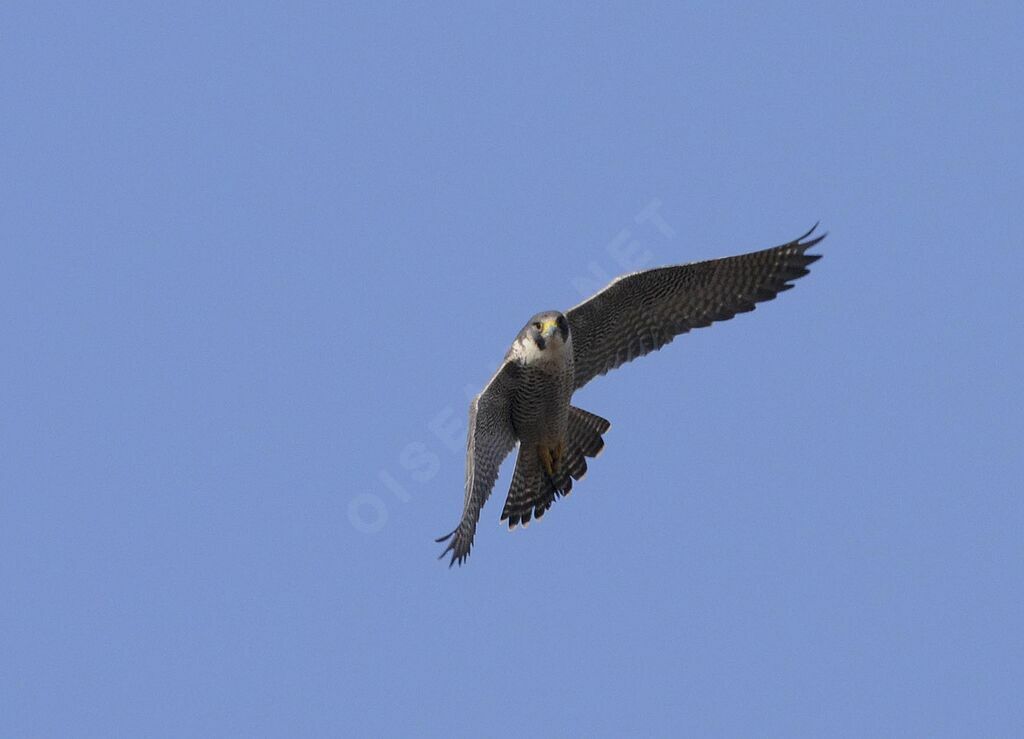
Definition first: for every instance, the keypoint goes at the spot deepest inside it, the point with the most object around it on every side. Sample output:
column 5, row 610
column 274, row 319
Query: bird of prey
column 527, row 401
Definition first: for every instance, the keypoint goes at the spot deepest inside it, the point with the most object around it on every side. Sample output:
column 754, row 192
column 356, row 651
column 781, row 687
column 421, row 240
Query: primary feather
column 527, row 399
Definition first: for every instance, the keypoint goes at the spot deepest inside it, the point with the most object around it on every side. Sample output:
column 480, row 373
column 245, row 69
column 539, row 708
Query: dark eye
column 562, row 323
column 537, row 325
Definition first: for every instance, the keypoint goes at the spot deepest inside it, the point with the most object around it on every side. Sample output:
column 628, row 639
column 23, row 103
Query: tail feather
column 532, row 491
column 585, row 430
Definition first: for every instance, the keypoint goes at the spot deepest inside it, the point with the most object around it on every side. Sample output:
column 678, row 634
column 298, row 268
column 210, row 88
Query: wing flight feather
column 641, row 312
column 490, row 437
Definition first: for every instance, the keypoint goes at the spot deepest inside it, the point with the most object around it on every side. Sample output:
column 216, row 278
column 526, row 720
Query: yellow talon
column 551, row 458
column 546, row 460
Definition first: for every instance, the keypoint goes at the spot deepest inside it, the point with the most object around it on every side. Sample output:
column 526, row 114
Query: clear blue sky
column 253, row 257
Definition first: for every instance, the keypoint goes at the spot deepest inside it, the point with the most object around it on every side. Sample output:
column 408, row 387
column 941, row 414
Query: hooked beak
column 549, row 329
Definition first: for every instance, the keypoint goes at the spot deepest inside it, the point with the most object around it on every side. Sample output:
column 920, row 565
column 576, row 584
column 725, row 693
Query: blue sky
column 253, row 256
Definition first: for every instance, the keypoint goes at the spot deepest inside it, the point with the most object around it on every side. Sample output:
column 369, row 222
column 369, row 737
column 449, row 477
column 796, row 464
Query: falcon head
column 546, row 332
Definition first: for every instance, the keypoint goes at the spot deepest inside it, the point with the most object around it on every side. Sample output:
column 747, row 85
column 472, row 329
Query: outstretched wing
column 640, row 312
column 489, row 440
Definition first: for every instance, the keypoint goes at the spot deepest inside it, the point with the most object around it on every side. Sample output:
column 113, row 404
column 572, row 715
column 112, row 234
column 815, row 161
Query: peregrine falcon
column 527, row 401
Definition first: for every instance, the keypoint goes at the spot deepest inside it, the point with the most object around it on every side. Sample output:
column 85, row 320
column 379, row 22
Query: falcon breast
column 528, row 400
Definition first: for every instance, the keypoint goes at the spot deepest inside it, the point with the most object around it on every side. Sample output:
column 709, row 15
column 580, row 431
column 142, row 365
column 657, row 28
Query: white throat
column 555, row 352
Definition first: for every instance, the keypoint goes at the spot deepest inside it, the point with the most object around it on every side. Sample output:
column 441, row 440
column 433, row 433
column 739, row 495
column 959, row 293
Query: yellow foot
column 551, row 457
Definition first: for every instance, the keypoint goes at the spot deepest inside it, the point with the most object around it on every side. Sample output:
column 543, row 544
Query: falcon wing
column 641, row 312
column 489, row 440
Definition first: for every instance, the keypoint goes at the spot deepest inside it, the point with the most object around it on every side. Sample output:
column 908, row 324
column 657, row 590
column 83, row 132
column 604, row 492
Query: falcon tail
column 533, row 490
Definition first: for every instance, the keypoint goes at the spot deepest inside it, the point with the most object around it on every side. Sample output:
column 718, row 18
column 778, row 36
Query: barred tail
column 585, row 431
column 532, row 491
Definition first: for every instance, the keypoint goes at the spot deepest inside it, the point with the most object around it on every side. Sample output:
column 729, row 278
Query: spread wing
column 489, row 440
column 640, row 312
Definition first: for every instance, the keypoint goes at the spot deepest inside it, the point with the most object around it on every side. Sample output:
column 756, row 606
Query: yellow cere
column 550, row 326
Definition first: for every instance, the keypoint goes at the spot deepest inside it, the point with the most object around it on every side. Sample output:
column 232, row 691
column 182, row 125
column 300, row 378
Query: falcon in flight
column 527, row 401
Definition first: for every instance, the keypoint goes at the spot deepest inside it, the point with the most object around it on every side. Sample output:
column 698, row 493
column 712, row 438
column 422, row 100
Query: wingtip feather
column 802, row 244
column 810, row 231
